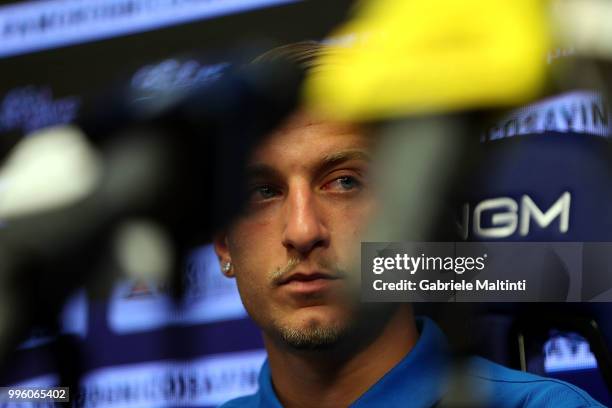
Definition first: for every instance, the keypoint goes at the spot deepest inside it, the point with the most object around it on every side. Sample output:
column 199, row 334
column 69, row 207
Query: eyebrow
column 332, row 160
column 328, row 161
column 261, row 171
column 343, row 156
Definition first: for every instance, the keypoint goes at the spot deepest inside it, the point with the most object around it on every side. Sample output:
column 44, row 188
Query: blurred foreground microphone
column 161, row 165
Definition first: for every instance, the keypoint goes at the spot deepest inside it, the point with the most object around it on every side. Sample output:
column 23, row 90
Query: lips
column 308, row 283
column 307, row 277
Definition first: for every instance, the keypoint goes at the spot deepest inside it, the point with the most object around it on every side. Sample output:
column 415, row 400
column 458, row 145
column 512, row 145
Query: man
column 310, row 197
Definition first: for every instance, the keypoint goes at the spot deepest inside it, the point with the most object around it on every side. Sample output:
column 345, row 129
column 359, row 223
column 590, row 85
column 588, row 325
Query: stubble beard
column 317, row 336
column 362, row 325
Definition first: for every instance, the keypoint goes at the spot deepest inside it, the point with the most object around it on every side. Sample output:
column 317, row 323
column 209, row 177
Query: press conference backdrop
column 551, row 155
column 137, row 348
column 56, row 54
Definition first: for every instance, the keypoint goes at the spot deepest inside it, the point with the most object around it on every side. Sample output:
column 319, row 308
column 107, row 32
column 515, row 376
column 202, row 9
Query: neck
column 338, row 376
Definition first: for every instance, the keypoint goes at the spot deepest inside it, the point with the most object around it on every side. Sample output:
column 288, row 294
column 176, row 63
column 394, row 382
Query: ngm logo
column 503, row 217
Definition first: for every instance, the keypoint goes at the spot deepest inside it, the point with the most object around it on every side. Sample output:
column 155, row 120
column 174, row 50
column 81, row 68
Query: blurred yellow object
column 433, row 56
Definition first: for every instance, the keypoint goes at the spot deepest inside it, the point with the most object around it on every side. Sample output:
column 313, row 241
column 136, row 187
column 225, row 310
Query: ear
column 222, row 250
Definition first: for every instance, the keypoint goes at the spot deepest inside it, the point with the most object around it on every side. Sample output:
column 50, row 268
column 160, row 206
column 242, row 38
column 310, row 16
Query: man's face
column 309, row 200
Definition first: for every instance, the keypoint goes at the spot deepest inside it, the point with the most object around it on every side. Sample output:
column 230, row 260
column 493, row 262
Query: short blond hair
column 304, row 54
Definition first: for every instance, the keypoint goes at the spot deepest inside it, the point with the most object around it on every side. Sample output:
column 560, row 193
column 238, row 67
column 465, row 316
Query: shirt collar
column 420, row 377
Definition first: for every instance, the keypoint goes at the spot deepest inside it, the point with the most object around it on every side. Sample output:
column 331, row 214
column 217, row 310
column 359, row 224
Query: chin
column 314, row 328
column 321, row 316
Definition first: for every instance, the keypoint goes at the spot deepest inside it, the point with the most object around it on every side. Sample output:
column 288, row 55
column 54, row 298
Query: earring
column 226, row 266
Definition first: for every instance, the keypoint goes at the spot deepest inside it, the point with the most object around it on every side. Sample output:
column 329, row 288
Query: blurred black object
column 174, row 156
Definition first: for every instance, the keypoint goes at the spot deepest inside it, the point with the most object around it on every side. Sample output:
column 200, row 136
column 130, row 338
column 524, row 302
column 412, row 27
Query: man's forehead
column 306, row 136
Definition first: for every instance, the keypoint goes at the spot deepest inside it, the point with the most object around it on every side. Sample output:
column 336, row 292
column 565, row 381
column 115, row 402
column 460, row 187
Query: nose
column 305, row 228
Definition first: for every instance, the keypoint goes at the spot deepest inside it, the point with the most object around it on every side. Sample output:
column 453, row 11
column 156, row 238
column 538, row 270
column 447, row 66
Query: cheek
column 253, row 250
column 250, row 292
column 351, row 219
column 347, row 225
column 250, row 245
column 250, row 267
column 246, row 238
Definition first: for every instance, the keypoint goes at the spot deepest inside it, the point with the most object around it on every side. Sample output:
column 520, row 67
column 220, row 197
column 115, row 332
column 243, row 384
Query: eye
column 343, row 183
column 264, row 192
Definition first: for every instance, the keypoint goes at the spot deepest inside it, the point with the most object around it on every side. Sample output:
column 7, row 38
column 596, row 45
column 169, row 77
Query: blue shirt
column 423, row 378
